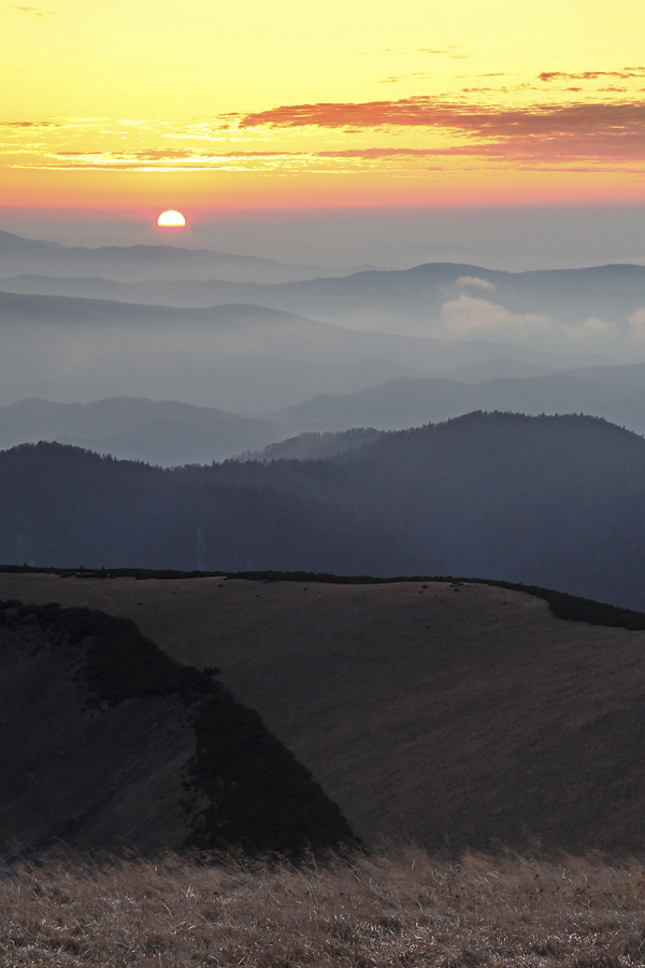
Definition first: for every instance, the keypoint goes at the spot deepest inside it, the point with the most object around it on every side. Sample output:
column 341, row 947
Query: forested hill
column 553, row 501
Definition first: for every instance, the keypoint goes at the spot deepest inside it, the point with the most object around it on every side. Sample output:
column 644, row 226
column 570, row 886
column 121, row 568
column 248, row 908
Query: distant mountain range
column 420, row 300
column 165, row 433
column 386, row 295
column 171, row 433
column 616, row 393
column 261, row 359
column 129, row 263
column 408, row 300
column 552, row 501
column 242, row 358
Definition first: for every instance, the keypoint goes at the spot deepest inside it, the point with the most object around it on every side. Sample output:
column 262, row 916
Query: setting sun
column 171, row 220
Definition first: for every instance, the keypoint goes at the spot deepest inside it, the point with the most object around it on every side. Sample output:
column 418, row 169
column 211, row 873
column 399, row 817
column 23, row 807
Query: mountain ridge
column 549, row 501
column 129, row 262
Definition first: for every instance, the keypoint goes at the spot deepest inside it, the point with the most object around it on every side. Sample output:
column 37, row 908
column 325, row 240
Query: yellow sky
column 251, row 104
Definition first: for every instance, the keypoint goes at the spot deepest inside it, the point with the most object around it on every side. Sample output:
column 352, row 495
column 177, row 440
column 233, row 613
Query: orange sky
column 143, row 106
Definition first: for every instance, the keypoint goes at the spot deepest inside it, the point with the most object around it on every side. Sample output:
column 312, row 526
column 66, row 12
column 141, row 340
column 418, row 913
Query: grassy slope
column 110, row 743
column 76, row 769
column 445, row 716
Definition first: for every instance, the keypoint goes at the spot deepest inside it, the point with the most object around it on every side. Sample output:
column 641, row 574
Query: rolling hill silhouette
column 616, row 393
column 244, row 358
column 350, row 297
column 138, row 262
column 552, row 501
column 164, row 432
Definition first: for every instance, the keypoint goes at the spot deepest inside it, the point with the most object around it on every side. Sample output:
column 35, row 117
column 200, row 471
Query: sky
column 128, row 107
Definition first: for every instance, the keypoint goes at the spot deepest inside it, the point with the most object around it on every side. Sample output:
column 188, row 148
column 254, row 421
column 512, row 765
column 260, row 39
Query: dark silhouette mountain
column 64, row 504
column 551, row 501
column 314, row 446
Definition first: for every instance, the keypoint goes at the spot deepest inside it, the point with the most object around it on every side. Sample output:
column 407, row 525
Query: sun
column 171, row 220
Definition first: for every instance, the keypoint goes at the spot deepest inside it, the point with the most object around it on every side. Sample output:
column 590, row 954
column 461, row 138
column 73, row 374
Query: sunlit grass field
column 403, row 908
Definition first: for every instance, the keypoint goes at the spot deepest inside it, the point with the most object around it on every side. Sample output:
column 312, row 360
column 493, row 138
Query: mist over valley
column 322, row 485
column 199, row 444
column 307, row 355
column 171, row 385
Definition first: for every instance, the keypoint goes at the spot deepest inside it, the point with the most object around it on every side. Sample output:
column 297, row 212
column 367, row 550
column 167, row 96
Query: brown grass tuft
column 398, row 910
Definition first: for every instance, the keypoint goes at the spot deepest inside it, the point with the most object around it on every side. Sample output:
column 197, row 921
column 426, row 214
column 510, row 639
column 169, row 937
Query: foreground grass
column 406, row 909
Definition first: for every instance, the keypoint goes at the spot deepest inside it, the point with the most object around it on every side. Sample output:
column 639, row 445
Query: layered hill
column 552, row 501
column 170, row 433
column 449, row 714
column 616, row 393
column 243, row 358
column 164, row 432
column 381, row 296
column 117, row 266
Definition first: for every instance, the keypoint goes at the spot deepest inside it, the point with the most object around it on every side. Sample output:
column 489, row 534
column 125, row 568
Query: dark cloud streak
column 618, row 119
column 36, row 13
column 564, row 131
column 29, row 124
column 626, row 73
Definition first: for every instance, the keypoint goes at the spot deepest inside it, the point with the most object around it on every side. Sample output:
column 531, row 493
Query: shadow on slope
column 110, row 743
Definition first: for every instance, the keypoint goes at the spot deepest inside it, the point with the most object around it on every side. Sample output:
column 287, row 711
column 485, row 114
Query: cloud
column 593, row 325
column 396, row 160
column 29, row 124
column 36, row 13
column 396, row 78
column 368, row 153
column 192, row 159
column 169, row 159
column 628, row 72
column 428, row 112
column 636, row 321
column 417, row 135
column 566, row 131
column 448, row 49
column 466, row 315
column 473, row 282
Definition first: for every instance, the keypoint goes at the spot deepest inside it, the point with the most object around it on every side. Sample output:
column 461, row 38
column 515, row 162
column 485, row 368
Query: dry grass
column 405, row 909
column 423, row 712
